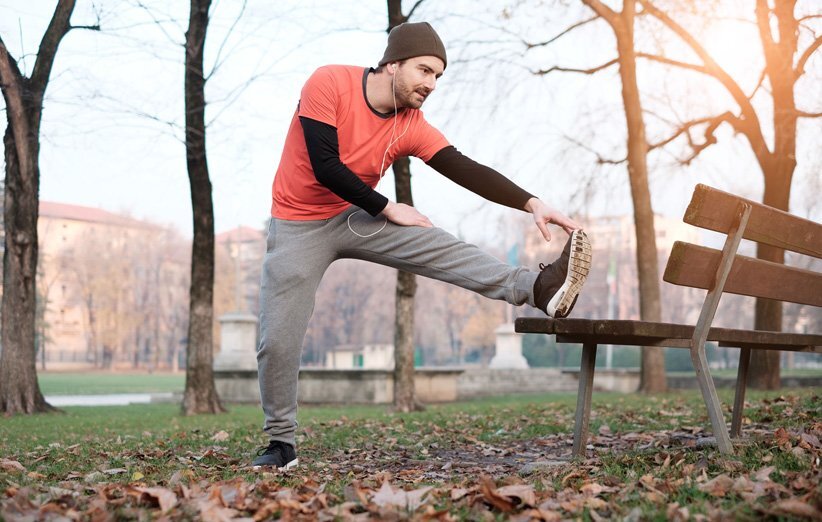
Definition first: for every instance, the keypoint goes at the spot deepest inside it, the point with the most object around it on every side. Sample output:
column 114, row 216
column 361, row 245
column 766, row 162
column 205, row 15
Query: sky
column 112, row 121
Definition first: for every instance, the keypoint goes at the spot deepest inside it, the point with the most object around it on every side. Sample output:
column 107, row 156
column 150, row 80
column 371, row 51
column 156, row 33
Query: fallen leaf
column 489, row 493
column 137, row 476
column 220, row 436
column 165, row 498
column 593, row 489
column 211, row 512
column 12, row 465
column 458, row 493
column 794, row 506
column 717, row 486
column 409, row 500
column 782, row 437
column 675, row 513
column 763, row 474
column 523, row 492
column 810, row 440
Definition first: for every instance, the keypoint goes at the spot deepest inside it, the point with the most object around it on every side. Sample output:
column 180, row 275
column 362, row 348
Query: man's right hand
column 405, row 215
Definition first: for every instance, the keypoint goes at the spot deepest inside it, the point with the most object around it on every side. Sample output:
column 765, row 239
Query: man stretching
column 351, row 123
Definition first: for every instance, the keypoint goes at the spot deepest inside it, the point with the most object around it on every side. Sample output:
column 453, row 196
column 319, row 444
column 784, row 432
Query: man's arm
column 324, row 152
column 493, row 186
column 479, row 179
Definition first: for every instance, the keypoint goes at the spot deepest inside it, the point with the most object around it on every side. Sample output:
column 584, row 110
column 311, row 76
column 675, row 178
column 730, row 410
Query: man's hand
column 543, row 214
column 405, row 215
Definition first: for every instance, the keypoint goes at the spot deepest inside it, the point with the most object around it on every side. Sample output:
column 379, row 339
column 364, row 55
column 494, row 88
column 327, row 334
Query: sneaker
column 558, row 284
column 278, row 454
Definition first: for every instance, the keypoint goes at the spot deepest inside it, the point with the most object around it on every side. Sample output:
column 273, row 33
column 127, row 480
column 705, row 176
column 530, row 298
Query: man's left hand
column 543, row 214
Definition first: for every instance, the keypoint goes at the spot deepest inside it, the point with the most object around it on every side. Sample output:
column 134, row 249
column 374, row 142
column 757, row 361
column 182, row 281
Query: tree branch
column 803, row 114
column 95, row 27
column 529, row 45
column 669, row 61
column 800, row 65
column 542, row 72
column 604, row 11
column 713, row 123
column 759, row 83
column 57, row 29
column 748, row 119
column 601, row 160
column 11, row 83
column 218, row 59
column 413, row 8
column 711, row 67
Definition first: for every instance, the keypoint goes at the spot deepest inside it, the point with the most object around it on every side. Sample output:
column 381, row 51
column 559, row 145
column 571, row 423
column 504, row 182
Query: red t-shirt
column 335, row 95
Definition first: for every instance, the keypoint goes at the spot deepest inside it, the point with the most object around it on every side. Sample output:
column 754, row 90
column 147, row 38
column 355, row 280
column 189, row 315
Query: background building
column 111, row 289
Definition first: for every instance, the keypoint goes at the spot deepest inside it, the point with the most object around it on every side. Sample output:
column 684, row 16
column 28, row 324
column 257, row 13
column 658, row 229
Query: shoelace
column 263, row 451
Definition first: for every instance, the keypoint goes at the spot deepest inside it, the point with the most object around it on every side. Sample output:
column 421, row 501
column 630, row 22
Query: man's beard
column 409, row 97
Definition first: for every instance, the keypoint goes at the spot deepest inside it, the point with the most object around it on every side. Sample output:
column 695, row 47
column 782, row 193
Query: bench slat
column 715, row 210
column 644, row 333
column 695, row 266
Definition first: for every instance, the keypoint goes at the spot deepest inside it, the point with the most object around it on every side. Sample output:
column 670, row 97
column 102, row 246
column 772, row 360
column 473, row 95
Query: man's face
column 415, row 79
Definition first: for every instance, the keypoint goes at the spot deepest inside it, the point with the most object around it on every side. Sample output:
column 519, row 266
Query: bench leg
column 706, row 386
column 739, row 397
column 586, row 388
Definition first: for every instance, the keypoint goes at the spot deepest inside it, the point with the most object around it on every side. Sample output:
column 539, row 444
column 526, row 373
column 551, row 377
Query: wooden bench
column 717, row 272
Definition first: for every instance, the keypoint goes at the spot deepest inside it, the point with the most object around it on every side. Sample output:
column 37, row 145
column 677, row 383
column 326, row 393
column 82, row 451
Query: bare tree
column 200, row 394
column 622, row 24
column 779, row 27
column 405, row 398
column 19, row 390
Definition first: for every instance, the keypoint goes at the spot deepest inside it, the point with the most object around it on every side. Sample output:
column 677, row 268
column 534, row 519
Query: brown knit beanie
column 409, row 40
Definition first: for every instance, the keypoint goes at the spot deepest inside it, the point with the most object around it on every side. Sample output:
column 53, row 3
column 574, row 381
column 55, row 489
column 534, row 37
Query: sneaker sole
column 579, row 265
column 293, row 464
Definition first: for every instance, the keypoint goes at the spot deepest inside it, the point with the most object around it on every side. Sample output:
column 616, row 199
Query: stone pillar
column 508, row 349
column 238, row 343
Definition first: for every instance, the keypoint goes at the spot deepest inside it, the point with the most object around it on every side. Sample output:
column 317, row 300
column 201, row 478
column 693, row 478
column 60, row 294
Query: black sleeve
column 479, row 179
column 324, row 153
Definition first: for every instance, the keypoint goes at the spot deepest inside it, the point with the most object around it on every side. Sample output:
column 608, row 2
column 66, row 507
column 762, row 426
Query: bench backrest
column 699, row 267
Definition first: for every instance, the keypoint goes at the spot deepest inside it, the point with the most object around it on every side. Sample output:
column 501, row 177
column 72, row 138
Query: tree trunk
column 19, row 389
column 200, row 394
column 652, row 369
column 764, row 371
column 405, row 398
column 778, row 168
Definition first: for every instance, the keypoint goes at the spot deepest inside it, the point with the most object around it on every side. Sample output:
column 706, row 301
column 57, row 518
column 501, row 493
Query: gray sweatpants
column 298, row 254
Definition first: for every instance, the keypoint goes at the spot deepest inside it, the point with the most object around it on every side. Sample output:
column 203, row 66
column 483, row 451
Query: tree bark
column 19, row 389
column 778, row 168
column 652, row 369
column 200, row 394
column 405, row 398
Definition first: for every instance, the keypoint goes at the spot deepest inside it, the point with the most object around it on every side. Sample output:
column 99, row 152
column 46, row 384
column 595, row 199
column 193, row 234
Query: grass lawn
column 488, row 459
column 96, row 383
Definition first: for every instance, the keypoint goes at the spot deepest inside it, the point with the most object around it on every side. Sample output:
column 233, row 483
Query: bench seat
column 643, row 333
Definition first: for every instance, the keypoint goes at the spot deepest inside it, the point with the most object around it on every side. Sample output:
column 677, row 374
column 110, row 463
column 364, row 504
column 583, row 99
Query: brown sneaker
column 558, row 284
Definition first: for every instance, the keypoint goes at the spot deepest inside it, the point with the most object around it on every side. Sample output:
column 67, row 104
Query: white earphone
column 391, row 141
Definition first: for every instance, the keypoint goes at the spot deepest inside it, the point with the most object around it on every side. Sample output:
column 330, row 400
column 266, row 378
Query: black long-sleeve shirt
column 324, row 152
